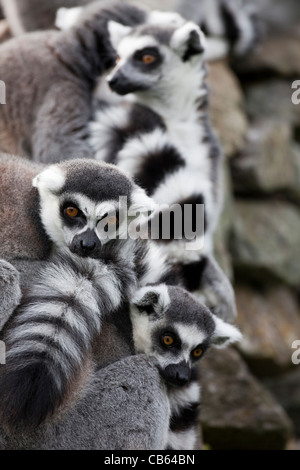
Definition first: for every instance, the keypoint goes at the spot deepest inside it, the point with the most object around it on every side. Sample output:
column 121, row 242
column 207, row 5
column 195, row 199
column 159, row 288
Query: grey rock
column 237, row 411
column 222, row 235
column 227, row 107
column 269, row 163
column 286, row 389
column 269, row 318
column 278, row 54
column 272, row 100
column 265, row 241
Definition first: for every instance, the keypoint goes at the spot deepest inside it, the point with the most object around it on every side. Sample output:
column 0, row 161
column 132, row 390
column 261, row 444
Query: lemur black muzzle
column 86, row 244
column 177, row 374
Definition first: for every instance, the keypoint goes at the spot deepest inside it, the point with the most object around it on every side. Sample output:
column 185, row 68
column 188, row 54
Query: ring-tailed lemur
column 174, row 329
column 161, row 134
column 63, row 205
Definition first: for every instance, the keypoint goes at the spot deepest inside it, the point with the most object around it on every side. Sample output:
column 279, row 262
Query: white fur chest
column 187, row 137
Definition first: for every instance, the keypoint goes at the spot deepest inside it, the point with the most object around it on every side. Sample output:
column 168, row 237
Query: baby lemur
column 174, row 329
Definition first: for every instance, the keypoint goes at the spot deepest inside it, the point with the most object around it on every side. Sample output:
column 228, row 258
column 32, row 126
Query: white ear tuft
column 188, row 40
column 152, row 300
column 67, row 17
column 51, row 179
column 117, row 32
column 225, row 334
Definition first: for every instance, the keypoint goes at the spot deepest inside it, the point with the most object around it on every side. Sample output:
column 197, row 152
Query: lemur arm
column 61, row 125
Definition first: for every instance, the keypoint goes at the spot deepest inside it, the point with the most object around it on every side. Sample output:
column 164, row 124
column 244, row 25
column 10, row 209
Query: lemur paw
column 10, row 291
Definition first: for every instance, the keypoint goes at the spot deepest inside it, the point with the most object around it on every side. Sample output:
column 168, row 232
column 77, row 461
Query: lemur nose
column 87, row 245
column 182, row 377
column 177, row 374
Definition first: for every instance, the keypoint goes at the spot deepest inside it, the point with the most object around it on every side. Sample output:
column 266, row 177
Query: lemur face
column 170, row 325
column 84, row 204
column 152, row 56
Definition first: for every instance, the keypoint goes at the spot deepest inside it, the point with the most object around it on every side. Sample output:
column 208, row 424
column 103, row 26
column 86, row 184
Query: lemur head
column 84, row 204
column 170, row 325
column 152, row 57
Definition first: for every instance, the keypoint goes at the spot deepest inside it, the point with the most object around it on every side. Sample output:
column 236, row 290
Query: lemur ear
column 188, row 41
column 51, row 180
column 117, row 32
column 225, row 334
column 152, row 300
column 67, row 17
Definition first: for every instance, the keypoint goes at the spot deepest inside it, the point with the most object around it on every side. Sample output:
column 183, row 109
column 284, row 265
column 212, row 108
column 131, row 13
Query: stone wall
column 251, row 394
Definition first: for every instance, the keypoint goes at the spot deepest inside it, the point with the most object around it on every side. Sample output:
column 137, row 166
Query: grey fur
column 21, row 233
column 32, row 15
column 47, row 121
column 49, row 340
column 10, row 292
column 100, row 421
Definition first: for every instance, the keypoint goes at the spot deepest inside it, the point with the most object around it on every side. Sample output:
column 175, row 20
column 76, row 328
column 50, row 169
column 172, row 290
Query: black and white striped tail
column 51, row 336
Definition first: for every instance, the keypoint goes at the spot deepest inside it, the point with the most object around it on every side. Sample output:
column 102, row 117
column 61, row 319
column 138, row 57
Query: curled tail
column 51, row 337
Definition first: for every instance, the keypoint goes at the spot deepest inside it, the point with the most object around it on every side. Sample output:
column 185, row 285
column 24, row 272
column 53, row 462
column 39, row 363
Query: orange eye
column 72, row 211
column 168, row 340
column 118, row 59
column 148, row 59
column 197, row 353
column 111, row 220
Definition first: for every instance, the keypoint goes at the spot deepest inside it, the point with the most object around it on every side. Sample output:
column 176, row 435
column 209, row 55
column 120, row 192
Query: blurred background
column 251, row 394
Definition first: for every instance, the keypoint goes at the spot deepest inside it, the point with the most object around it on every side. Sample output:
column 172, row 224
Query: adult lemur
column 47, row 121
column 74, row 206
column 161, row 134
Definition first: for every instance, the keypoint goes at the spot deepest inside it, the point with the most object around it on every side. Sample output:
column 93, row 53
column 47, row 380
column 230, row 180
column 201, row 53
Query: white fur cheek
column 141, row 333
column 51, row 218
